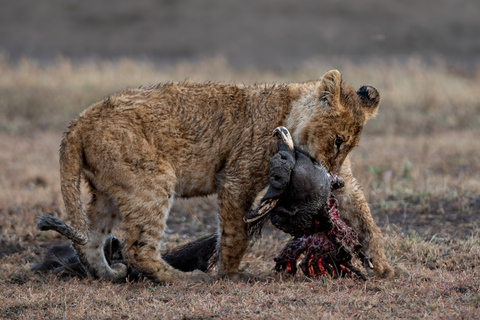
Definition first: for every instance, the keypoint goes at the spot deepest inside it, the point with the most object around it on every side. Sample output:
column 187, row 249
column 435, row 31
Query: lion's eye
column 338, row 141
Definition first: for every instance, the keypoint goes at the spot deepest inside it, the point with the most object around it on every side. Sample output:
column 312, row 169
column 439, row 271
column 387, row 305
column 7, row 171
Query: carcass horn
column 263, row 209
column 283, row 134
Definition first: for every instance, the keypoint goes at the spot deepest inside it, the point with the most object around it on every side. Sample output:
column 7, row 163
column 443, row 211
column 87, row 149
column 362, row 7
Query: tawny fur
column 141, row 148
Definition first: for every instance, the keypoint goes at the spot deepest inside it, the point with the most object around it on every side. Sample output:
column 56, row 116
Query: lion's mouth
column 332, row 202
column 333, row 207
column 337, row 182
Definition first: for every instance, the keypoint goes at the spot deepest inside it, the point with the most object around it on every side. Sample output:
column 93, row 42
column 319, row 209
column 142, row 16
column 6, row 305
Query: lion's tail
column 49, row 222
column 71, row 161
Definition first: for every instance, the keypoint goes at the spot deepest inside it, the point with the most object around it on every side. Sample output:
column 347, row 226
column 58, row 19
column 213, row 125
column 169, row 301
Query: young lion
column 141, row 148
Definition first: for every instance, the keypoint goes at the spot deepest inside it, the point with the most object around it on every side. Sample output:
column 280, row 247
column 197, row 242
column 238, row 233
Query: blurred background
column 262, row 34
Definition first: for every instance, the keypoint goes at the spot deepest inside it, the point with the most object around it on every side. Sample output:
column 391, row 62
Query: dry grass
column 415, row 97
column 418, row 162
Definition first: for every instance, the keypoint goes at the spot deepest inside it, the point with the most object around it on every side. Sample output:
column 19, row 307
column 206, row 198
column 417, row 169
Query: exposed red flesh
column 328, row 252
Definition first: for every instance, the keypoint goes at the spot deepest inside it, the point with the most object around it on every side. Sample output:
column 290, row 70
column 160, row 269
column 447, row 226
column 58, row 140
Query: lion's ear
column 369, row 100
column 329, row 88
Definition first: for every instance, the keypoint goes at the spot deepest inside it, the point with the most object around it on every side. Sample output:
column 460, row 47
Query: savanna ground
column 418, row 162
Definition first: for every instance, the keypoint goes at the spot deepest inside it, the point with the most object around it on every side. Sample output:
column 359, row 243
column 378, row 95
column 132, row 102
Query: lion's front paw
column 388, row 272
column 383, row 270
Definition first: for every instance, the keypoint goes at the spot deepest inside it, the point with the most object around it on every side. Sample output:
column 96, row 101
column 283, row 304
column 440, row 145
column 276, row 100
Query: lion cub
column 141, row 148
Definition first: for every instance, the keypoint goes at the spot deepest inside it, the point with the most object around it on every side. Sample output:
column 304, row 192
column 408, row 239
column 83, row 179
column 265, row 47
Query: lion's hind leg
column 144, row 201
column 103, row 217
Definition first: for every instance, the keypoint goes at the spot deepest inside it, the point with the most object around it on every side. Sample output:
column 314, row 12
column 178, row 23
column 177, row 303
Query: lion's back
column 194, row 127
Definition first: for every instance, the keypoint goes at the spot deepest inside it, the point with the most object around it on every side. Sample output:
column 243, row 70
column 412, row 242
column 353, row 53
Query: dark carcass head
column 297, row 198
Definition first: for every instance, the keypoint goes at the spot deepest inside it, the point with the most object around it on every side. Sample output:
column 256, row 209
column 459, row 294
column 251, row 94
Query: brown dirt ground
column 443, row 268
